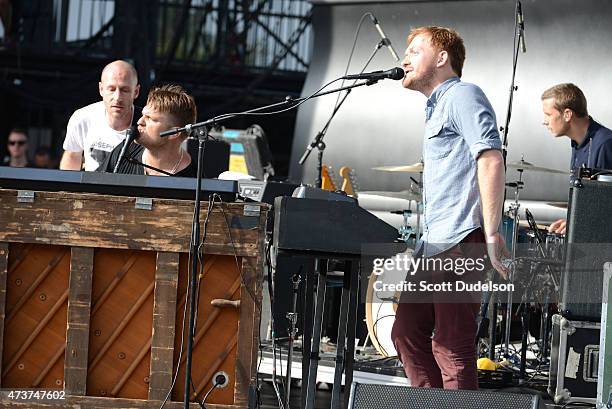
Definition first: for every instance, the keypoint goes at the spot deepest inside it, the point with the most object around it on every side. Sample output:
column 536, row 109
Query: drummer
column 565, row 114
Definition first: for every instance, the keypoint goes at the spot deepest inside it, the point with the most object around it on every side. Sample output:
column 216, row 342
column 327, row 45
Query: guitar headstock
column 349, row 185
column 327, row 178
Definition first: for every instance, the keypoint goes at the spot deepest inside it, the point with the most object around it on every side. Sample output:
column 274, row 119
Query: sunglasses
column 20, row 143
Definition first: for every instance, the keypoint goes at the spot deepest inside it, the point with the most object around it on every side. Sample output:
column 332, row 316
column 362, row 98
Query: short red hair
column 444, row 39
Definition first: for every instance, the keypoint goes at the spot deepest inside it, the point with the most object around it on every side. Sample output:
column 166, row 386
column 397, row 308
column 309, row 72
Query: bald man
column 94, row 131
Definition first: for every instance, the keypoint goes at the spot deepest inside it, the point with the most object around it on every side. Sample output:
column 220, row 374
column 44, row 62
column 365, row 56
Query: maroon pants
column 435, row 341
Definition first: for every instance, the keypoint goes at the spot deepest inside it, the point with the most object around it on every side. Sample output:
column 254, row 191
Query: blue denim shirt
column 460, row 125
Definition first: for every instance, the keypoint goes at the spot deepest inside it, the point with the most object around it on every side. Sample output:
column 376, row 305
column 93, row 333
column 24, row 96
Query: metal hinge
column 251, row 210
column 144, row 203
column 25, row 196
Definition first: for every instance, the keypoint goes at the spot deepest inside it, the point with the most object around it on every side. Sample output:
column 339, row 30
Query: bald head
column 122, row 69
column 118, row 89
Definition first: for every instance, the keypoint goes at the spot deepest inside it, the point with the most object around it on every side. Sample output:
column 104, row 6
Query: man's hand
column 496, row 247
column 558, row 226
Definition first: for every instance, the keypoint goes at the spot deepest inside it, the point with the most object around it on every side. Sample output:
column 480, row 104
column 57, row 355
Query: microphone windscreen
column 396, row 73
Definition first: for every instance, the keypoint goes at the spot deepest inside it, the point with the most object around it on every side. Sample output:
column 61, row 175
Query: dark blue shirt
column 595, row 151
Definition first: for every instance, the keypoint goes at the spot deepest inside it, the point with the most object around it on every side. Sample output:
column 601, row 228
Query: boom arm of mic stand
column 216, row 120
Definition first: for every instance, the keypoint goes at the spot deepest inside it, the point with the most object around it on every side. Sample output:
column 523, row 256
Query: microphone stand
column 201, row 129
column 202, row 136
column 317, row 141
column 319, row 266
column 518, row 40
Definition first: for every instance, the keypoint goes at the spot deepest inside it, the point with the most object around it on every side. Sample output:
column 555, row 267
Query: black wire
column 212, row 388
column 348, row 63
column 375, row 328
column 251, row 113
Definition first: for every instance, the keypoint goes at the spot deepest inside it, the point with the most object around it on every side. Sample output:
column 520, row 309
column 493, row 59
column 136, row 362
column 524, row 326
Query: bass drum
column 380, row 309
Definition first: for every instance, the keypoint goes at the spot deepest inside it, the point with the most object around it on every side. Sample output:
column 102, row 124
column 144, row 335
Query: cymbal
column 414, row 168
column 524, row 165
column 403, row 194
column 562, row 205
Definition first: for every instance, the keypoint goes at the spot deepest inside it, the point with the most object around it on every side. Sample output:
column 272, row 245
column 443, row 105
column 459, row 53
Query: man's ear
column 568, row 114
column 442, row 58
column 100, row 89
column 137, row 91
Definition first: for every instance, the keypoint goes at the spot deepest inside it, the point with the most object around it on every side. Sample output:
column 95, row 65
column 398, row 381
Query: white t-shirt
column 88, row 132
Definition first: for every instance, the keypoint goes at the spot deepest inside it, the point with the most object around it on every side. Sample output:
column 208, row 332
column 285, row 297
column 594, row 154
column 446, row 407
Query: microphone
column 395, row 73
column 385, row 39
column 521, row 24
column 130, row 135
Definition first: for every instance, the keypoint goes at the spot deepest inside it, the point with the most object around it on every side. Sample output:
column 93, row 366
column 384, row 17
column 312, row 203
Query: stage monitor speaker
column 589, row 246
column 374, row 396
column 250, row 152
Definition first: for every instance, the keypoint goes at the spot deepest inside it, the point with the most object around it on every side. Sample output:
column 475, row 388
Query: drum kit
column 535, row 261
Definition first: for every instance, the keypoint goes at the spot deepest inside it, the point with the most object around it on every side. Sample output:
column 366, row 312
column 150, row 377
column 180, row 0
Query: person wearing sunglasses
column 17, row 145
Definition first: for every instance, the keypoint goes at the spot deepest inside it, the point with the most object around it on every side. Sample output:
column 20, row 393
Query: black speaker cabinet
column 589, row 246
column 374, row 396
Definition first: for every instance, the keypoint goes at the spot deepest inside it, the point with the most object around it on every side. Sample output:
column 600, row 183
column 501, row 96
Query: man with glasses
column 18, row 149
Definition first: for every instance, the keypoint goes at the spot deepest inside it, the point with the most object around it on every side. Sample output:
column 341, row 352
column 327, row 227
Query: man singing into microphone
column 463, row 193
column 168, row 106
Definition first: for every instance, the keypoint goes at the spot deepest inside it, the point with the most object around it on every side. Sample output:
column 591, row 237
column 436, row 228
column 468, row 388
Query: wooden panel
column 36, row 314
column 4, row 251
column 127, row 279
column 120, row 329
column 77, row 333
column 164, row 314
column 66, row 218
column 216, row 329
column 248, row 326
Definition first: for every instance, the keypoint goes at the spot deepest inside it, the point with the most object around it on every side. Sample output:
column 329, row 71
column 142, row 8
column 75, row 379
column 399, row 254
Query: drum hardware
column 413, row 193
column 523, row 165
column 513, row 213
column 542, row 283
column 405, row 230
column 553, row 249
